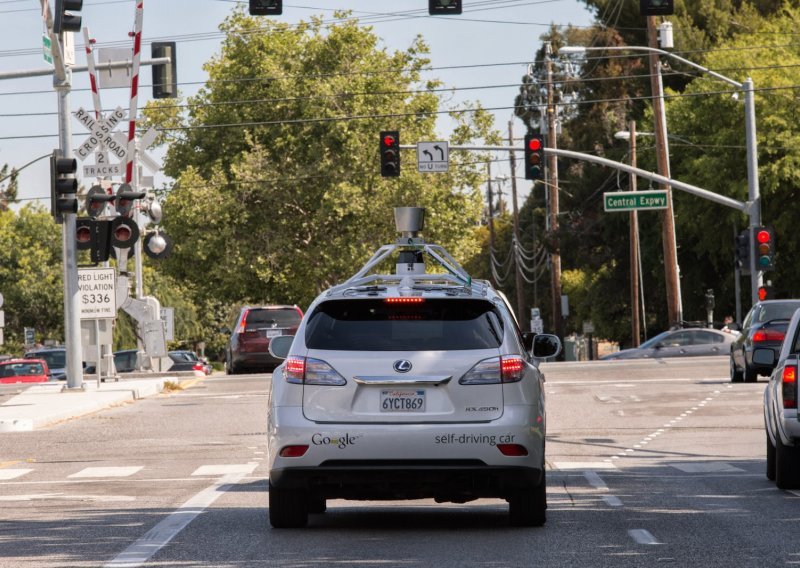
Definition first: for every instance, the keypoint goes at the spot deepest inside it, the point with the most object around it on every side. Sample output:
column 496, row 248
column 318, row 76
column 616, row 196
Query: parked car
column 691, row 342
column 188, row 361
column 56, row 358
column 764, row 327
column 248, row 347
column 780, row 408
column 24, row 371
column 408, row 386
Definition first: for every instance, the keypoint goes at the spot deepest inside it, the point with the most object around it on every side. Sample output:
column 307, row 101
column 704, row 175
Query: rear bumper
column 255, row 359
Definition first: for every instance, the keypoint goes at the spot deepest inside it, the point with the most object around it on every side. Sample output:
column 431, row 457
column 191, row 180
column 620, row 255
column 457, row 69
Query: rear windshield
column 20, row 369
column 54, row 359
column 263, row 318
column 777, row 310
column 375, row 325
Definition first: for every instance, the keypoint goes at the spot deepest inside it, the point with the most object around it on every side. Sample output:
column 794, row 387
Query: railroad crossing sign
column 432, row 157
column 101, row 134
column 635, row 200
column 145, row 141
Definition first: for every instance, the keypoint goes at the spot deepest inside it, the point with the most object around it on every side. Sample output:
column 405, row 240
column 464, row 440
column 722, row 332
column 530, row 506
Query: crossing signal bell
column 534, row 157
column 390, row 153
column 63, row 185
column 65, row 21
column 440, row 7
column 266, row 7
column 764, row 248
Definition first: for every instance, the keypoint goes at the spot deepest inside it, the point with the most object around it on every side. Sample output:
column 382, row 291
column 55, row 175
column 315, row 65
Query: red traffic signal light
column 534, row 157
column 764, row 248
column 765, row 292
column 390, row 153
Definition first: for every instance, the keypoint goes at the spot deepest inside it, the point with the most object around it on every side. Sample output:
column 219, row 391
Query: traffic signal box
column 743, row 251
column 534, row 157
column 64, row 21
column 444, row 7
column 165, row 75
column 266, row 7
column 390, row 153
column 656, row 7
column 764, row 248
column 63, row 186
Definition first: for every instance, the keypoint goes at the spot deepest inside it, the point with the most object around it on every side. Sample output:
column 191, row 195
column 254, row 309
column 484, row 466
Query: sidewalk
column 45, row 404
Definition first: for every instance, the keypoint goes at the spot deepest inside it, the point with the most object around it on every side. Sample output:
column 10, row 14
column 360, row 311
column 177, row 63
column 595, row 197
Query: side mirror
column 546, row 345
column 279, row 346
column 764, row 357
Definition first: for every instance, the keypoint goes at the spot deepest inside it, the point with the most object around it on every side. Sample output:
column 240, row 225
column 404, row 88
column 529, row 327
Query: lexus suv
column 248, row 347
column 408, row 385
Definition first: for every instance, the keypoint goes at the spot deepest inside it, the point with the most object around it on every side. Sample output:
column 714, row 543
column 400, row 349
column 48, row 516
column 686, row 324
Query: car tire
column 787, row 465
column 750, row 375
column 526, row 508
column 736, row 375
column 770, row 459
column 317, row 505
column 288, row 508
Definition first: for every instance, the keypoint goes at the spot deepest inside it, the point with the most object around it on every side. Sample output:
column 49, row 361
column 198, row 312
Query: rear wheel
column 770, row 459
column 750, row 375
column 288, row 508
column 787, row 465
column 736, row 374
column 526, row 508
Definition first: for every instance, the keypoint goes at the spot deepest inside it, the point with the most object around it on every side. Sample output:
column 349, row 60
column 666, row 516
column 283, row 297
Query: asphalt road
column 650, row 463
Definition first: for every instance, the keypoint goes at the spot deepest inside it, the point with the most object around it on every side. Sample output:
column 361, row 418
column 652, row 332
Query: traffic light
column 266, row 7
column 125, row 199
column 656, row 7
column 766, row 292
column 64, row 20
column 390, row 153
column 764, row 248
column 63, row 185
column 439, row 7
column 743, row 249
column 165, row 75
column 96, row 201
column 534, row 157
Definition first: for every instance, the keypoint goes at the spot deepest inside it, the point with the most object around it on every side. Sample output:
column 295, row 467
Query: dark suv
column 56, row 359
column 253, row 329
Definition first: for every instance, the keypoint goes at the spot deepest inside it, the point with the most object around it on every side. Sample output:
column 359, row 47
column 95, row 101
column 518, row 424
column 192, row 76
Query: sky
column 488, row 46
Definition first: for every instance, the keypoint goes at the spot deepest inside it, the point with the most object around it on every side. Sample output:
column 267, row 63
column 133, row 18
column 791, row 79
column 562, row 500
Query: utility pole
column 634, row 243
column 518, row 269
column 552, row 186
column 491, row 219
column 672, row 279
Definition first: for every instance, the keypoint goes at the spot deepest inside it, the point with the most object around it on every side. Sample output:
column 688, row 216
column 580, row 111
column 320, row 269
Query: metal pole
column 552, row 168
column 737, row 285
column 634, row 244
column 672, row 279
column 753, row 192
column 491, row 221
column 518, row 285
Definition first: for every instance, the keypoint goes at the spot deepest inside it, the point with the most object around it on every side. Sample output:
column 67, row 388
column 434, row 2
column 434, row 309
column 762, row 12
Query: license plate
column 399, row 400
column 273, row 332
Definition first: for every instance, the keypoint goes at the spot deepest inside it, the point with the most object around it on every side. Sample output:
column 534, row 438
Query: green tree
column 278, row 191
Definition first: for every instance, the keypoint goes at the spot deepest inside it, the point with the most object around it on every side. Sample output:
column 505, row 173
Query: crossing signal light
column 266, row 7
column 534, row 157
column 125, row 198
column 63, row 185
column 390, row 153
column 165, row 75
column 764, row 248
column 766, row 292
column 96, row 201
column 95, row 236
column 743, row 249
column 124, row 232
column 439, row 7
column 65, row 21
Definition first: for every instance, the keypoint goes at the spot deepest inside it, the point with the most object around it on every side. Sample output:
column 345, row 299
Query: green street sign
column 635, row 200
column 47, row 48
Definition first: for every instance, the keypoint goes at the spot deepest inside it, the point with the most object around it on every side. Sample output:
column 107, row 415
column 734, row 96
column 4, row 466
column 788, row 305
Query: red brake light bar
column 768, row 335
column 405, row 300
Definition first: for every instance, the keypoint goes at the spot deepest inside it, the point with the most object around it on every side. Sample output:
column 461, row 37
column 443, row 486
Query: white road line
column 566, row 466
column 156, row 538
column 107, row 471
column 612, row 501
column 6, row 474
column 66, row 497
column 642, row 536
column 225, row 469
column 595, row 480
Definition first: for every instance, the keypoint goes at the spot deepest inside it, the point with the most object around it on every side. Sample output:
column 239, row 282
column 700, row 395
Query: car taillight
column 405, row 300
column 310, row 371
column 198, row 367
column 507, row 369
column 789, row 386
column 768, row 335
column 243, row 325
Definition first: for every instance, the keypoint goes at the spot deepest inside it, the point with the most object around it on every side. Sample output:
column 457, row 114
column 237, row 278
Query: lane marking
column 6, row 474
column 705, row 467
column 156, row 538
column 612, row 501
column 66, row 497
column 642, row 536
column 570, row 466
column 595, row 480
column 107, row 471
column 225, row 469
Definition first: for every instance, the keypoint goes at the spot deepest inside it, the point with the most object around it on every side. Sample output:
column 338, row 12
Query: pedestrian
column 730, row 326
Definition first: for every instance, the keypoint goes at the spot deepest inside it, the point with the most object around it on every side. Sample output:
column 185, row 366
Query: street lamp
column 754, row 198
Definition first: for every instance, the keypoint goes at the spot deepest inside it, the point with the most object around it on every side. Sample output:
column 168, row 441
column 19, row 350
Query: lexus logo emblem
column 402, row 366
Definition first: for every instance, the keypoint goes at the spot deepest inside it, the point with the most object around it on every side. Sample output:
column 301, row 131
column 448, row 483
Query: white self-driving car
column 408, row 385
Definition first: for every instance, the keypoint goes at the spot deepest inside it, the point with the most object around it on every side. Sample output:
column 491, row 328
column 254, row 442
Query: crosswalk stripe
column 107, row 471
column 225, row 469
column 6, row 474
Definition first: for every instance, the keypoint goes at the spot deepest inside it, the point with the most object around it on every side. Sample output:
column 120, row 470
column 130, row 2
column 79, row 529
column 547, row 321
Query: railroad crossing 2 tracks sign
column 432, row 157
column 635, row 200
column 101, row 135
